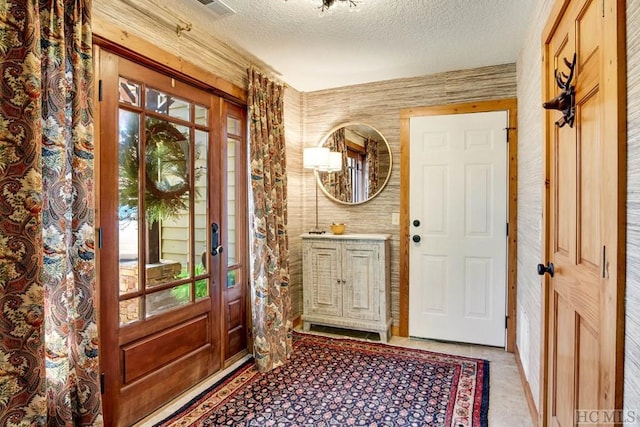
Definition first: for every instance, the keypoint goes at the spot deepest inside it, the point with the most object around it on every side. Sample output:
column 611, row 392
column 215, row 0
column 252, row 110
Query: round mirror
column 366, row 164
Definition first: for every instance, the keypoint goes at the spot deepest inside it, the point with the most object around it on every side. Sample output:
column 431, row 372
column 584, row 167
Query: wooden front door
column 172, row 254
column 583, row 217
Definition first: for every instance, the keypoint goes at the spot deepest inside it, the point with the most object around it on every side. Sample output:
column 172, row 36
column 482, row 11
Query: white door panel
column 458, row 192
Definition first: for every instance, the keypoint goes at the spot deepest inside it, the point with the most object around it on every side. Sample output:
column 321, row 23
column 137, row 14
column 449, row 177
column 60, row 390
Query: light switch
column 395, row 218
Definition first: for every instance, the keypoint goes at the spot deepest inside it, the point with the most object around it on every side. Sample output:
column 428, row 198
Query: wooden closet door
column 583, row 336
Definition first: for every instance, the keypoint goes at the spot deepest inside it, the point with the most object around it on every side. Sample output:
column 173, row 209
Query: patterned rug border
column 239, row 375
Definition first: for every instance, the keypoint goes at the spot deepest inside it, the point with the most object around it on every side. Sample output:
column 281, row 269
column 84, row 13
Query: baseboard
column 297, row 321
column 527, row 389
column 395, row 331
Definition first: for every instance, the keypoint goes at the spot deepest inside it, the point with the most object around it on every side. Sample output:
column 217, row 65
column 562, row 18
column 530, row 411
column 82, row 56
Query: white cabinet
column 346, row 282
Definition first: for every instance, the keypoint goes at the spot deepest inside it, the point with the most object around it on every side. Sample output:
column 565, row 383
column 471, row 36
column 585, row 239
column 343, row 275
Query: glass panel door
column 161, row 193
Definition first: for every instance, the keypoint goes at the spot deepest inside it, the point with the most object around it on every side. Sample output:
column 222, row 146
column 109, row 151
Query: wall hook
column 566, row 100
column 181, row 28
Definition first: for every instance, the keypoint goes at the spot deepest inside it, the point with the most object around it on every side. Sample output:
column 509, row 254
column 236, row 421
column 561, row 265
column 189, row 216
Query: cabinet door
column 322, row 286
column 362, row 275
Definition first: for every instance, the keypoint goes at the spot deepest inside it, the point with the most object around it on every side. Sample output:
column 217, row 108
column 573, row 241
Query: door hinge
column 507, row 229
column 102, row 383
column 100, row 90
column 506, row 321
column 99, row 231
column 508, row 129
column 604, row 262
column 603, row 8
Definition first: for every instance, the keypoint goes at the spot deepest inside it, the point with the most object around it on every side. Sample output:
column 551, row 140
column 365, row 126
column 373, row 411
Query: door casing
column 510, row 105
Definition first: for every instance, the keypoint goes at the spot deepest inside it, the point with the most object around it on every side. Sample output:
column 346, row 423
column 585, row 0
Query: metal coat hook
column 566, row 100
column 181, row 28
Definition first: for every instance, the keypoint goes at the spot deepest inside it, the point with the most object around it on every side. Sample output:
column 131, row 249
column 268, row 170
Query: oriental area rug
column 345, row 382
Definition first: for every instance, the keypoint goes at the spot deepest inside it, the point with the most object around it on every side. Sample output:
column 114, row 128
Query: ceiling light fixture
column 326, row 4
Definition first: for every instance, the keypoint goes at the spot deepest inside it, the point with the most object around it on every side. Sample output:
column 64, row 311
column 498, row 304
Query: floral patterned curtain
column 339, row 184
column 270, row 299
column 371, row 150
column 49, row 373
column 344, row 185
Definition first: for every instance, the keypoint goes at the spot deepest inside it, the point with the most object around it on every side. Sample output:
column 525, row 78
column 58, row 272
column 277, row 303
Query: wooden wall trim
column 124, row 43
column 405, row 178
column 509, row 105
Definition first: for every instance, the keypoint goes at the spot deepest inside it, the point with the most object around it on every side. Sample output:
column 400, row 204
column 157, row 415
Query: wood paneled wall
column 379, row 104
column 632, row 326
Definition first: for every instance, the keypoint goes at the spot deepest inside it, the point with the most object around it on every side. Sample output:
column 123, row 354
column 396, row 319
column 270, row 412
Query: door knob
column 546, row 269
column 415, row 238
column 416, row 223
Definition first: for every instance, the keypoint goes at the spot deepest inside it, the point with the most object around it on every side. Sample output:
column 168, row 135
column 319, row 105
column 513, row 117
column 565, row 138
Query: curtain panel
column 49, row 371
column 342, row 187
column 270, row 299
column 330, row 181
column 371, row 149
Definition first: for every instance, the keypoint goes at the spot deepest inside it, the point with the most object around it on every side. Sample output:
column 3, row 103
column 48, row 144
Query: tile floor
column 507, row 403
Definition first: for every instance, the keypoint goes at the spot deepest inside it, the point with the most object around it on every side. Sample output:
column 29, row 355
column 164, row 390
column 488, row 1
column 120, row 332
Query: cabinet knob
column 416, row 223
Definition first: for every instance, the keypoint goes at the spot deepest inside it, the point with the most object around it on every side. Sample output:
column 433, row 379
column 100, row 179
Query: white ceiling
column 380, row 40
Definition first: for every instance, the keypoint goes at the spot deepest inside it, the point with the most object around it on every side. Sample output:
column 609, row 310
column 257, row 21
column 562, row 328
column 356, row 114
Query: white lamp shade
column 334, row 164
column 315, row 157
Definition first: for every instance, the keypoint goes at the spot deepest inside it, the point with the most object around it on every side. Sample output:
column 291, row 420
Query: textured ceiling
column 380, row 40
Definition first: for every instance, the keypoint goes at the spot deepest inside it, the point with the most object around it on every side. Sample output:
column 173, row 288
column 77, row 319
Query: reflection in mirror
column 366, row 164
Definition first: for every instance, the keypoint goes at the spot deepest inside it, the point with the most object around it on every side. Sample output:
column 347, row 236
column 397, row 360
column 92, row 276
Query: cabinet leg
column 384, row 337
column 306, row 326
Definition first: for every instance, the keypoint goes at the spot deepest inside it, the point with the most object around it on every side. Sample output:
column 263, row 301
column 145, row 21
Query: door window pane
column 130, row 310
column 234, row 126
column 202, row 289
column 129, row 92
column 233, row 278
column 169, row 105
column 128, row 146
column 167, row 200
column 232, row 247
column 202, row 115
column 201, row 200
column 167, row 299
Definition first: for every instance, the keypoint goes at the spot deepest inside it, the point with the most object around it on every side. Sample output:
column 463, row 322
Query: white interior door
column 458, row 211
